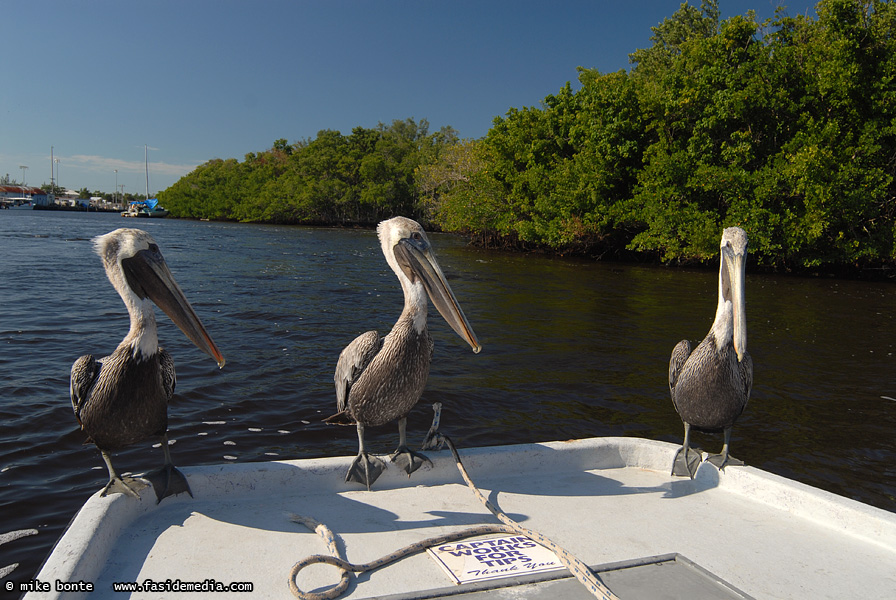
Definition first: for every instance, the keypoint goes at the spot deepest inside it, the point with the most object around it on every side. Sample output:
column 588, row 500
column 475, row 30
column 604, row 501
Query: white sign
column 493, row 558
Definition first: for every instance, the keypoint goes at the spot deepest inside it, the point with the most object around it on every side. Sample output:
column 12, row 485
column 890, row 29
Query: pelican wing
column 680, row 355
column 352, row 362
column 85, row 372
column 746, row 372
column 169, row 378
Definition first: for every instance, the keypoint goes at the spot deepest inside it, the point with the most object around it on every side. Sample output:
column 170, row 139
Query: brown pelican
column 123, row 398
column 378, row 379
column 710, row 387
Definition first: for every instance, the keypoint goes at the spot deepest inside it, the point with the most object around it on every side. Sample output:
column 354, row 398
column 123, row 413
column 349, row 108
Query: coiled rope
column 576, row 567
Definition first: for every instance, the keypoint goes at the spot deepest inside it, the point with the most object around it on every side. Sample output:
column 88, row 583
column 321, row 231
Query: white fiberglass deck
column 604, row 499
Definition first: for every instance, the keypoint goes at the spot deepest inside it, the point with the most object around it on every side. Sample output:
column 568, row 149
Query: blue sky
column 201, row 79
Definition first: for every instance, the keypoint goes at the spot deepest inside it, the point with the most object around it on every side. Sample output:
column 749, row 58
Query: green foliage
column 336, row 179
column 787, row 128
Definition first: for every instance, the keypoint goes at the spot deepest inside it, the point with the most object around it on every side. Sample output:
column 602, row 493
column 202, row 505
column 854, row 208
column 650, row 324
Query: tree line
column 359, row 179
column 786, row 128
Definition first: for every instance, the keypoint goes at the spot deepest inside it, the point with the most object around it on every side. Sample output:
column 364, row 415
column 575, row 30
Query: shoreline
column 57, row 207
column 873, row 273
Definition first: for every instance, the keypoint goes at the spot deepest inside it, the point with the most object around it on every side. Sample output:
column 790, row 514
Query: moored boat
column 17, row 204
column 737, row 533
column 149, row 208
column 156, row 212
column 145, row 209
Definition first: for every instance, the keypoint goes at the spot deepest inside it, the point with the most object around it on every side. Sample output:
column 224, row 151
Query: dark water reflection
column 571, row 349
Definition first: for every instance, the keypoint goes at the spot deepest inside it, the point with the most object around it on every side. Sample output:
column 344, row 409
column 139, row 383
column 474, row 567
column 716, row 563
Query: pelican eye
column 154, row 248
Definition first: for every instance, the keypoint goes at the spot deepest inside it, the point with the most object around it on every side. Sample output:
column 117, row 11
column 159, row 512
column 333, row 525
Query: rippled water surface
column 570, row 349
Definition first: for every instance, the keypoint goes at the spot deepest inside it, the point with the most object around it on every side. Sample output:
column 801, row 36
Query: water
column 570, row 349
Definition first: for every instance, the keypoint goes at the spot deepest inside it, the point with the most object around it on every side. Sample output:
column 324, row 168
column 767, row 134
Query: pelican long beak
column 148, row 275
column 736, row 266
column 420, row 262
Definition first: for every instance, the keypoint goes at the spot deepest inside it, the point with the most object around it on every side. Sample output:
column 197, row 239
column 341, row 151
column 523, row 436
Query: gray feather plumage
column 120, row 400
column 352, row 362
column 710, row 388
column 380, row 380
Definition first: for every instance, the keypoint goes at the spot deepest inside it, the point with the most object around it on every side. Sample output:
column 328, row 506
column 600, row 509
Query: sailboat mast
column 146, row 165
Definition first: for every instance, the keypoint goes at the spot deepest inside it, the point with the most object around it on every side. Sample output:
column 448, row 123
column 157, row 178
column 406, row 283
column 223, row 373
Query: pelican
column 710, row 386
column 379, row 380
column 123, row 398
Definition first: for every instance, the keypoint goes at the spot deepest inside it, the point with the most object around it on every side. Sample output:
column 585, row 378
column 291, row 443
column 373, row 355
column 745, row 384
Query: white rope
column 576, row 567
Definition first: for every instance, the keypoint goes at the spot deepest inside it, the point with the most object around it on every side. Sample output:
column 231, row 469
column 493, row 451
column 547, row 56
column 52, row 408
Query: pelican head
column 731, row 285
column 409, row 253
column 136, row 269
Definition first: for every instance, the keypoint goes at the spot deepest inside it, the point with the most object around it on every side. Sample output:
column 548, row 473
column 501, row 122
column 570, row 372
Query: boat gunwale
column 79, row 556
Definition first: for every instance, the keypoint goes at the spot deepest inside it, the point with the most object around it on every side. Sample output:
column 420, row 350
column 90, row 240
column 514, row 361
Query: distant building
column 68, row 198
column 19, row 194
column 43, row 199
column 18, row 191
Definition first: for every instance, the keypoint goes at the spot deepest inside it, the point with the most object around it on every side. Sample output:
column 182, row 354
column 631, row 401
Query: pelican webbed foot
column 687, row 460
column 405, row 458
column 365, row 469
column 723, row 459
column 129, row 486
column 408, row 460
column 168, row 481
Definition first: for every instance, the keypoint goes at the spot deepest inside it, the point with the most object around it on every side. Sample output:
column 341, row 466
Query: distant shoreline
column 850, row 272
column 75, row 208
